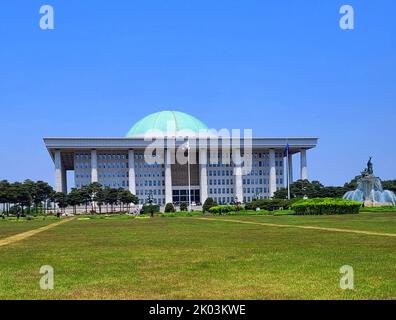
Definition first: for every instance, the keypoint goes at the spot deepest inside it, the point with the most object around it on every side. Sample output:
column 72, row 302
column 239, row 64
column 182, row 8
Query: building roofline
column 140, row 138
column 77, row 144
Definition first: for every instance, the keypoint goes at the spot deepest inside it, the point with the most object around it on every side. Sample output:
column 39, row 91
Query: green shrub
column 248, row 213
column 222, row 209
column 209, row 203
column 269, row 204
column 15, row 209
column 150, row 209
column 183, row 206
column 321, row 206
column 169, row 207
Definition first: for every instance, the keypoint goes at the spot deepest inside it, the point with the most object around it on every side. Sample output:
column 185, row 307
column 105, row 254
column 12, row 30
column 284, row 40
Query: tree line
column 314, row 189
column 37, row 197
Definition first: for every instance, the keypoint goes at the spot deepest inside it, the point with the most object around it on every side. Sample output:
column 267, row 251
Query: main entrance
column 180, row 195
column 180, row 181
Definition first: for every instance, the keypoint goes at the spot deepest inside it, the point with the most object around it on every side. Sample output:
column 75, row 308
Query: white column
column 290, row 161
column 94, row 166
column 304, row 168
column 60, row 173
column 168, row 177
column 238, row 175
column 203, row 160
column 64, row 180
column 272, row 173
column 131, row 166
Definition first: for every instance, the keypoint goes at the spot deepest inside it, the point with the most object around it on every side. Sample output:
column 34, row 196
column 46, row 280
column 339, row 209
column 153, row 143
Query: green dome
column 175, row 121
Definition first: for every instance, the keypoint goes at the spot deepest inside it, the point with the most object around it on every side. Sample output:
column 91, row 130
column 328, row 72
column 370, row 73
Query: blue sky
column 282, row 68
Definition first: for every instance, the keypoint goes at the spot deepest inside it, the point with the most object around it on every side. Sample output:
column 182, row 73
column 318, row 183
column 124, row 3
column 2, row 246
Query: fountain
column 369, row 190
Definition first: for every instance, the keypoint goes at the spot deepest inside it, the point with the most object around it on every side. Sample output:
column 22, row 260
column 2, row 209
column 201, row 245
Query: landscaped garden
column 265, row 249
column 210, row 257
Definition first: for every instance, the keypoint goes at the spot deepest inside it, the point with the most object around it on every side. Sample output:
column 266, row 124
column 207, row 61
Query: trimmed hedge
column 232, row 210
column 222, row 209
column 150, row 209
column 269, row 204
column 322, row 206
column 183, row 206
column 169, row 207
column 209, row 203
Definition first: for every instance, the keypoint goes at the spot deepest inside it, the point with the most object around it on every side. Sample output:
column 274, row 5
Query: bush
column 209, row 203
column 269, row 204
column 15, row 209
column 150, row 209
column 222, row 209
column 169, row 207
column 320, row 206
column 183, row 207
column 248, row 213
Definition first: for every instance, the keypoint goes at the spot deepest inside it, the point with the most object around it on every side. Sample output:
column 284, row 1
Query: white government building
column 120, row 163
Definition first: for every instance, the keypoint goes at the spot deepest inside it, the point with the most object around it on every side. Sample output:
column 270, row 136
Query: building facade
column 121, row 162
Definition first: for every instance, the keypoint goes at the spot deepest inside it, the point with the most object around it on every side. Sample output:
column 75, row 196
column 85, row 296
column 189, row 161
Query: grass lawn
column 12, row 226
column 377, row 222
column 191, row 258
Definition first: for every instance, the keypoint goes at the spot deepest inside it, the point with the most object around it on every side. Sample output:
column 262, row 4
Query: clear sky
column 279, row 67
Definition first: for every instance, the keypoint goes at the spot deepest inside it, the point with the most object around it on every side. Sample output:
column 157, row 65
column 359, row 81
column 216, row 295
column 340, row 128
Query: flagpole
column 189, row 177
column 288, row 172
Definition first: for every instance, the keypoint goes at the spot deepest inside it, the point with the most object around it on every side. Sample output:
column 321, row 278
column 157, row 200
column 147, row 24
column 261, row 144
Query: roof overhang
column 80, row 143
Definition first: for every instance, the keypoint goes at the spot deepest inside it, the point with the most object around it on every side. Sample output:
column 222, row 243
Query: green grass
column 181, row 214
column 244, row 213
column 191, row 258
column 378, row 209
column 11, row 226
column 282, row 212
column 379, row 222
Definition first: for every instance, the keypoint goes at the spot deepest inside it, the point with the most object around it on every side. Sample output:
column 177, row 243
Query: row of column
column 61, row 177
column 272, row 173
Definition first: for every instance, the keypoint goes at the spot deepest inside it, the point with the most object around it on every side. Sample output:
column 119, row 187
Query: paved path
column 27, row 234
column 371, row 233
